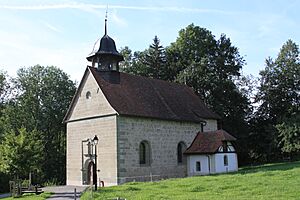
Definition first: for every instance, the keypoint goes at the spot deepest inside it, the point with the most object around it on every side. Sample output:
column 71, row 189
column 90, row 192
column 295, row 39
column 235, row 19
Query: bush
column 4, row 183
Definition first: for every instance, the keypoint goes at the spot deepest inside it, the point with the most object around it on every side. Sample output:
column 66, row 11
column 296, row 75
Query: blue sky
column 62, row 33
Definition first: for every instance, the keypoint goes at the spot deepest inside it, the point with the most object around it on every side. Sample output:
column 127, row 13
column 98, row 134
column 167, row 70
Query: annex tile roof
column 146, row 97
column 208, row 142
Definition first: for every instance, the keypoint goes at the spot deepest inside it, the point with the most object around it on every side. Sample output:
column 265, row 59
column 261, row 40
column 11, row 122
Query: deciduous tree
column 20, row 152
column 279, row 104
column 212, row 68
column 43, row 95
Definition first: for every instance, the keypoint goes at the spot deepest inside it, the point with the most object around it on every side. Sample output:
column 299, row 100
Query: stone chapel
column 147, row 129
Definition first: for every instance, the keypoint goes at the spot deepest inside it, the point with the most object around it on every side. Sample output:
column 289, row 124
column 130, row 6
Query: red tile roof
column 208, row 142
column 146, row 97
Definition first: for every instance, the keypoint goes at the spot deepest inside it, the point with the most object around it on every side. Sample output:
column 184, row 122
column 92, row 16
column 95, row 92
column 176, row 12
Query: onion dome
column 105, row 53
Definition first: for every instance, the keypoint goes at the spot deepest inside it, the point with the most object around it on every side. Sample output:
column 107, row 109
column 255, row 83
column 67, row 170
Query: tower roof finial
column 106, row 20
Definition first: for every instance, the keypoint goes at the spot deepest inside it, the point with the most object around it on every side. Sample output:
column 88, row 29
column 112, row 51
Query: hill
column 272, row 181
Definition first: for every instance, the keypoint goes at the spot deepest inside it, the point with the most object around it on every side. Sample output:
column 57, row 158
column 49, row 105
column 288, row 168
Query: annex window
column 198, row 166
column 181, row 147
column 88, row 95
column 144, row 151
column 225, row 160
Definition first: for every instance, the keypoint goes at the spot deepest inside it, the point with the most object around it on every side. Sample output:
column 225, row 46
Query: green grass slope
column 30, row 197
column 272, row 181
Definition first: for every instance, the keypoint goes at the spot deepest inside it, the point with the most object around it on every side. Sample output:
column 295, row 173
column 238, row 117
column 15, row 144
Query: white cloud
column 52, row 27
column 90, row 7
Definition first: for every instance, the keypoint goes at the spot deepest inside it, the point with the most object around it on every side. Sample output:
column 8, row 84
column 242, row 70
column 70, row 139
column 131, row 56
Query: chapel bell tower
column 105, row 56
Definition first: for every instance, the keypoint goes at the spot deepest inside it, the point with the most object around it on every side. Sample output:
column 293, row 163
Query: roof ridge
column 156, row 79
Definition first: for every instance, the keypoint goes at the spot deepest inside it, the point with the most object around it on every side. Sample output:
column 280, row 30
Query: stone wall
column 105, row 129
column 211, row 125
column 96, row 105
column 81, row 126
column 119, row 139
column 163, row 137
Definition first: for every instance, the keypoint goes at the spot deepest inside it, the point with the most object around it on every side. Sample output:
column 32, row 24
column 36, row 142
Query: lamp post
column 95, row 141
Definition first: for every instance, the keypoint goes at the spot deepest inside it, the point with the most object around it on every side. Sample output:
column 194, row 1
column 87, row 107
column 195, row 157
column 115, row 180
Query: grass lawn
column 42, row 196
column 272, row 181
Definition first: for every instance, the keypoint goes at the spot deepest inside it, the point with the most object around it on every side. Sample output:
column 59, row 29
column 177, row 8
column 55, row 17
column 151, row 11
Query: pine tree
column 155, row 59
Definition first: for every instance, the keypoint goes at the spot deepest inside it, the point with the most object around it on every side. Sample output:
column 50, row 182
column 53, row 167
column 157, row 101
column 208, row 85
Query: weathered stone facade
column 89, row 117
column 95, row 105
column 133, row 117
column 119, row 139
column 105, row 128
column 163, row 137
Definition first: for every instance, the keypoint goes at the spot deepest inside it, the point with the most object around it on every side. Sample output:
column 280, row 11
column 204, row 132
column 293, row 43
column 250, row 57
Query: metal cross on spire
column 106, row 20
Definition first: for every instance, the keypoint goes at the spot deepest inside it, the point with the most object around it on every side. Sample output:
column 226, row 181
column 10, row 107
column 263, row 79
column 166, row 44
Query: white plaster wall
column 212, row 163
column 192, row 159
column 232, row 162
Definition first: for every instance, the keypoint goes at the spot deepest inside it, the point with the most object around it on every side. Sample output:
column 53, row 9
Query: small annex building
column 211, row 152
column 147, row 129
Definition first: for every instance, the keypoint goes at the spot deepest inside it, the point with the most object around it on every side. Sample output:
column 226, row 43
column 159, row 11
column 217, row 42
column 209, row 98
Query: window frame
column 198, row 167
column 181, row 147
column 88, row 95
column 144, row 153
column 225, row 160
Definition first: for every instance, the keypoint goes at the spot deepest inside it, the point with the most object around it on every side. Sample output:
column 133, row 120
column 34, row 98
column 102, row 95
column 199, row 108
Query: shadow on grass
column 270, row 167
column 264, row 168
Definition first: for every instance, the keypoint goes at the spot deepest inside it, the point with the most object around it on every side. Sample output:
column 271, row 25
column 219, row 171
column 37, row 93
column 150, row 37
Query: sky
column 62, row 33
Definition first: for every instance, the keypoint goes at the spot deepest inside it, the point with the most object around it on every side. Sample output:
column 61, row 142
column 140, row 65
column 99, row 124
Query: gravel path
column 64, row 192
column 4, row 195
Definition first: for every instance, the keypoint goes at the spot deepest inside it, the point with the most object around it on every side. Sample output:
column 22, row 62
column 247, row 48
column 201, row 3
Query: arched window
column 181, row 147
column 144, row 151
column 225, row 160
column 88, row 95
column 198, row 166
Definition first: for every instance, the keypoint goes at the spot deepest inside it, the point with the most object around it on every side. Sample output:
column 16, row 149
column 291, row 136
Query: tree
column 289, row 134
column 3, row 86
column 211, row 67
column 3, row 91
column 127, row 54
column 43, row 95
column 280, row 84
column 203, row 62
column 155, row 60
column 278, row 98
column 21, row 153
column 150, row 62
